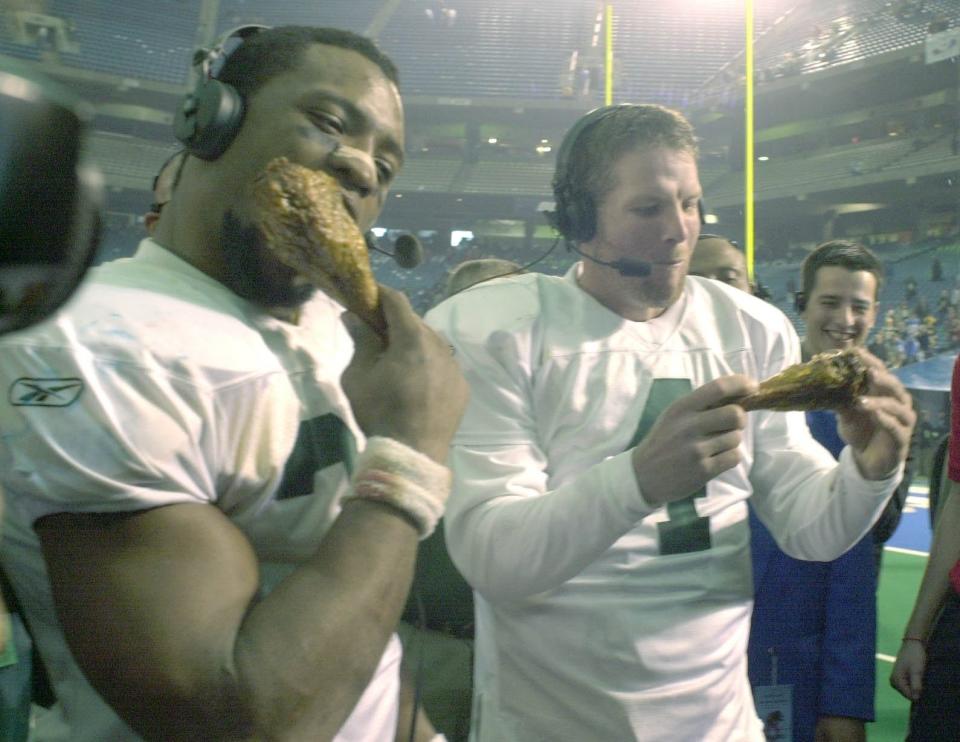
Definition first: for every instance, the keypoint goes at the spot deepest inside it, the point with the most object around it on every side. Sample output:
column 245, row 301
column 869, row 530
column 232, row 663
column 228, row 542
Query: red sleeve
column 953, row 461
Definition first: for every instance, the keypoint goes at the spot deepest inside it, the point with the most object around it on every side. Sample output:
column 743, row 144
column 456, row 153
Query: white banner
column 942, row 45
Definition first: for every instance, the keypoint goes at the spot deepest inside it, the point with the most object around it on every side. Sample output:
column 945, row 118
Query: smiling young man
column 814, row 623
column 603, row 466
column 841, row 289
column 216, row 491
column 841, row 283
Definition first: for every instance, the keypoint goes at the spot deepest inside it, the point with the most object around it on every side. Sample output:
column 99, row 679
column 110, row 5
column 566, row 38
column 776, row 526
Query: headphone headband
column 711, row 236
column 588, row 120
column 205, row 58
column 574, row 216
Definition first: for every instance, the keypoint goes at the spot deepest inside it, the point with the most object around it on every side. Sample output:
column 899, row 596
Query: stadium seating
column 354, row 15
column 654, row 66
column 10, row 47
column 135, row 39
column 512, row 178
column 493, row 48
column 781, row 176
column 128, row 162
column 853, row 31
column 506, row 49
column 428, row 174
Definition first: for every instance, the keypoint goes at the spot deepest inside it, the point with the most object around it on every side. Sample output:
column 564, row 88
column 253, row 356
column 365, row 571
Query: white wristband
column 390, row 472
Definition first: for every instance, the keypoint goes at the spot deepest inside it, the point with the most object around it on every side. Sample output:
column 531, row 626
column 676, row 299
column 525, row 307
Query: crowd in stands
column 425, row 285
column 836, row 35
column 921, row 317
column 920, row 308
column 832, row 36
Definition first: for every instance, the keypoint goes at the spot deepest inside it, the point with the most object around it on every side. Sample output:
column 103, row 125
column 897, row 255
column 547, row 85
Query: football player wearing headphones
column 211, row 534
column 603, row 466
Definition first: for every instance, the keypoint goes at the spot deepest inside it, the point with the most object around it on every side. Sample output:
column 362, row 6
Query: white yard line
column 912, row 552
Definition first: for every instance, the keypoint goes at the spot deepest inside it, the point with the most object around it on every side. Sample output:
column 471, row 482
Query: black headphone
column 575, row 214
column 209, row 117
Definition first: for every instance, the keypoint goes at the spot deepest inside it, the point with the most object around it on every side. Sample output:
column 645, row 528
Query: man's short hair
column 471, row 272
column 645, row 126
column 704, row 236
column 273, row 51
column 842, row 253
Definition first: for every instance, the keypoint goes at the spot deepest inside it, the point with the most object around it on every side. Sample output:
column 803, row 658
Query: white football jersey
column 599, row 617
column 158, row 386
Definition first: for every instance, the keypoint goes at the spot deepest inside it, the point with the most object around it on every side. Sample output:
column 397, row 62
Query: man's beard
column 253, row 273
column 658, row 294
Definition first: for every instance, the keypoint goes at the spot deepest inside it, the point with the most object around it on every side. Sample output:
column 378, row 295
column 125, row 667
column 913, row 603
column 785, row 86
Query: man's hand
column 879, row 426
column 840, row 729
column 695, row 439
column 409, row 705
column 907, row 673
column 410, row 389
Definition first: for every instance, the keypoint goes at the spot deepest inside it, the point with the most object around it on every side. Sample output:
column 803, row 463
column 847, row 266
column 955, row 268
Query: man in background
column 813, row 631
column 719, row 258
column 471, row 272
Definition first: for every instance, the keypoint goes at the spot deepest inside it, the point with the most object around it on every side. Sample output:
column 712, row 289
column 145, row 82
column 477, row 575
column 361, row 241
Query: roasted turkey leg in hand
column 827, row 381
column 302, row 214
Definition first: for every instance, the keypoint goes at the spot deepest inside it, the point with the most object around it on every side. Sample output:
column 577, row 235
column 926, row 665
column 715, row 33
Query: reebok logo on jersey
column 45, row 392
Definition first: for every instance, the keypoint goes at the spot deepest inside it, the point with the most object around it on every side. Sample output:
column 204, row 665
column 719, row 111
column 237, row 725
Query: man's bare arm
column 159, row 610
column 907, row 673
column 160, row 606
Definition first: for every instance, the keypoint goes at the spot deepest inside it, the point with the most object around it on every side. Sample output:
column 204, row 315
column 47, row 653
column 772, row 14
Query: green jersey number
column 321, row 442
column 685, row 531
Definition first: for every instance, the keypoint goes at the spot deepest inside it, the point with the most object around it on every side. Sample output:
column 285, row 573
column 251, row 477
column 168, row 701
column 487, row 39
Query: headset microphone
column 630, row 268
column 407, row 250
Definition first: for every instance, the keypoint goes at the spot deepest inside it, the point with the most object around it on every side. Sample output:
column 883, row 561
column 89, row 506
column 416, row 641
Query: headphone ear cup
column 553, row 217
column 208, row 119
column 574, row 215
column 586, row 218
column 560, row 219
